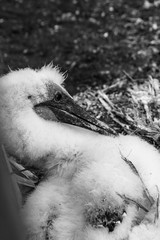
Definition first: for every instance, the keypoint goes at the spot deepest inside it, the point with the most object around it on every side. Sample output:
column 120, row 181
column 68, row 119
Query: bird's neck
column 69, row 145
column 54, row 142
column 69, row 142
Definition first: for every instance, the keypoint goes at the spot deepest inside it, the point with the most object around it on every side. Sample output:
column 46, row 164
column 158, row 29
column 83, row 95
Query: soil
column 92, row 41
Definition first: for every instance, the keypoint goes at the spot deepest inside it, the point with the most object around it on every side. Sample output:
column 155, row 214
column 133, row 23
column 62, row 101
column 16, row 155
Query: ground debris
column 133, row 109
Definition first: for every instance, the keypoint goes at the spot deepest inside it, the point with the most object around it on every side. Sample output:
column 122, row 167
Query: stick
column 135, row 171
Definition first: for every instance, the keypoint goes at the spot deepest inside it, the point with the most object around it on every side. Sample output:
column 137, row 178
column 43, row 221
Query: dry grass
column 128, row 107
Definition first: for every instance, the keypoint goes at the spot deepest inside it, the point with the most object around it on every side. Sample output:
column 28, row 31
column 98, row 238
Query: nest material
column 102, row 218
column 128, row 107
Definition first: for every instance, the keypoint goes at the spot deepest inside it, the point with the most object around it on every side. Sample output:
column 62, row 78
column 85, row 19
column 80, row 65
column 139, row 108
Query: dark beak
column 68, row 111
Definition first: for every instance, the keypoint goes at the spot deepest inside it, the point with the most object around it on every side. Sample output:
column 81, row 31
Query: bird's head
column 39, row 94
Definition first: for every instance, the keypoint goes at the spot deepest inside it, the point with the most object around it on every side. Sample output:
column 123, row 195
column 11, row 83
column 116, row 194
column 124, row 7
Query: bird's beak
column 73, row 114
column 68, row 111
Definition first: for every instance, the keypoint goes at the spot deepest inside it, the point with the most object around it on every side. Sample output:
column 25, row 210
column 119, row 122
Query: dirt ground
column 94, row 41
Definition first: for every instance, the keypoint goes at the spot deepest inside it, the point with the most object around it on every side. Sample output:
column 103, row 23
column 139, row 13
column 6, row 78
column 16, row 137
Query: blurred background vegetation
column 93, row 41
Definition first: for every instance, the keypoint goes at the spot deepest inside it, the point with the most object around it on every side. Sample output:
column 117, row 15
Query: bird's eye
column 58, row 97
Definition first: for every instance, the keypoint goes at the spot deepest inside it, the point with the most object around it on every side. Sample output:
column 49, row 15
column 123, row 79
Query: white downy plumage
column 150, row 226
column 79, row 205
column 90, row 181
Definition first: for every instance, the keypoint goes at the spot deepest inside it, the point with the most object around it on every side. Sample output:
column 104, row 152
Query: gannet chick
column 32, row 104
column 93, row 171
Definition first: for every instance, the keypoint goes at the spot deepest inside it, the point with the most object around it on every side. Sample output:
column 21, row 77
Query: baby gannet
column 90, row 176
column 32, row 104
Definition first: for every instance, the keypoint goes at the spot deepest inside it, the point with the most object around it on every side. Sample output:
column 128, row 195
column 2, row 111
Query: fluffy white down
column 24, row 133
column 146, row 232
column 95, row 184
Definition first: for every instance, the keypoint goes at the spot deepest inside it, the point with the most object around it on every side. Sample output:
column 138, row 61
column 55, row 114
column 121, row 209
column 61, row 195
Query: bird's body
column 93, row 187
column 91, row 179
